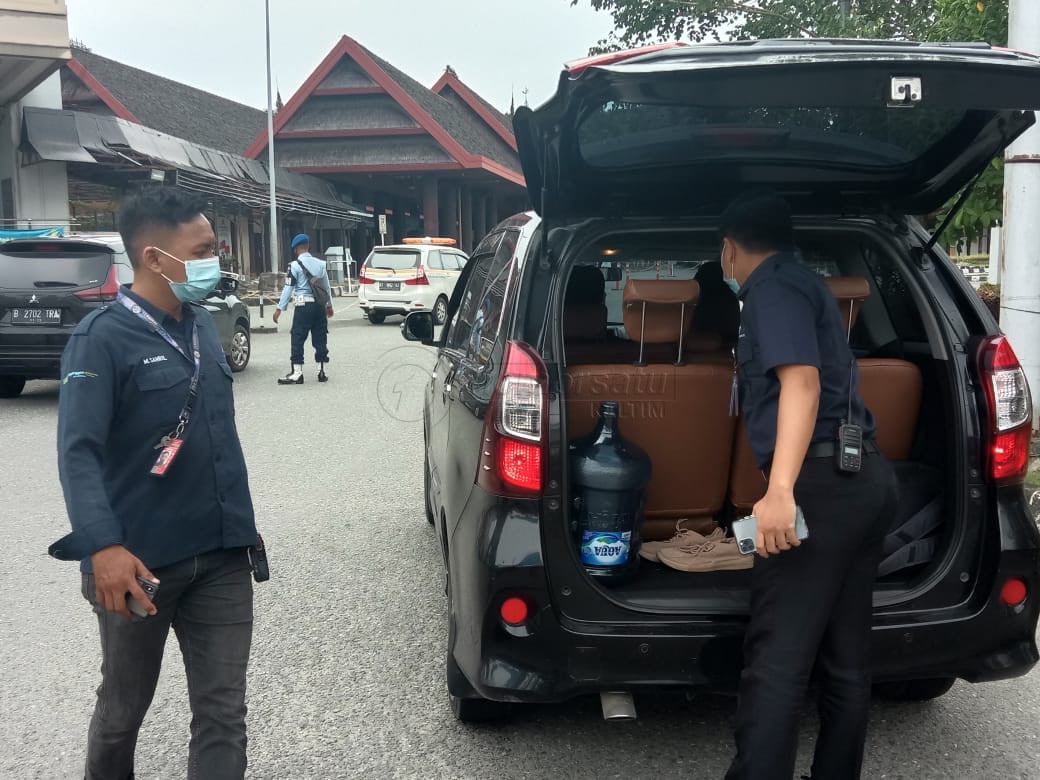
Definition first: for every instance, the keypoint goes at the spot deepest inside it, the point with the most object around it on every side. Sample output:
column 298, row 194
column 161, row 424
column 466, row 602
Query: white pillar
column 41, row 190
column 996, row 246
column 1020, row 290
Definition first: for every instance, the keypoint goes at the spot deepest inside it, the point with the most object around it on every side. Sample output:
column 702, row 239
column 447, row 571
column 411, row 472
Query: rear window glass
column 393, row 259
column 621, row 134
column 41, row 270
column 888, row 321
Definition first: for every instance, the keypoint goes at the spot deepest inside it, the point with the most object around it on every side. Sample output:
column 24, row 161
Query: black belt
column 825, row 449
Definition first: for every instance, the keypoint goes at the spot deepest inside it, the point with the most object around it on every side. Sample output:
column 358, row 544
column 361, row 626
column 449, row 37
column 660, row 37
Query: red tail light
column 419, row 278
column 106, row 292
column 512, row 461
column 1010, row 412
column 514, row 611
column 364, row 278
column 1013, row 593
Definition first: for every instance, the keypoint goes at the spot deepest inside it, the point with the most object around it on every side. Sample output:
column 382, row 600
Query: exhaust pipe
column 617, row 705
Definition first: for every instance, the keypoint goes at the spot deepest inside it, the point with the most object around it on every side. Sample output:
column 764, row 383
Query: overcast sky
column 218, row 45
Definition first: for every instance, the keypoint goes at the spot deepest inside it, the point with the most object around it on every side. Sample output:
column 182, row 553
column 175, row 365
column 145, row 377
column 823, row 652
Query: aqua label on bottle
column 605, row 548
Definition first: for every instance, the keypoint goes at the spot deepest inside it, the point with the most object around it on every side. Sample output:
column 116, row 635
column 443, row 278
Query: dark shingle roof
column 175, row 108
column 505, row 119
column 464, row 126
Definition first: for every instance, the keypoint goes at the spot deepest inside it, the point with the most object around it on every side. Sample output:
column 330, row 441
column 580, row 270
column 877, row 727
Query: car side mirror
column 228, row 285
column 418, row 326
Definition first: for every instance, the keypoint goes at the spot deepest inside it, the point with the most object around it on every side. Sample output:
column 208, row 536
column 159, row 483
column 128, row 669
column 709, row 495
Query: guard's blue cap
column 300, row 238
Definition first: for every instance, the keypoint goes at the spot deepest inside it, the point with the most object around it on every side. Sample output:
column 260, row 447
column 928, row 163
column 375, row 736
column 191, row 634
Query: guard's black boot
column 294, row 378
column 322, row 376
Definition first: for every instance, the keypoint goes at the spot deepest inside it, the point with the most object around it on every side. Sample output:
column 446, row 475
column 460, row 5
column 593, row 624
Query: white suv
column 418, row 274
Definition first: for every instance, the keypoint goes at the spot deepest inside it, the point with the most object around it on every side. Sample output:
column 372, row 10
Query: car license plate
column 36, row 316
column 390, row 286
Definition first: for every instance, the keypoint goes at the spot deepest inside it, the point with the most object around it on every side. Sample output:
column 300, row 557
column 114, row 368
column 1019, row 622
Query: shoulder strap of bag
column 306, row 273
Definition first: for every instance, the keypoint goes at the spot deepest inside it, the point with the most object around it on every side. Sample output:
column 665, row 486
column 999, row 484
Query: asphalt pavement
column 346, row 678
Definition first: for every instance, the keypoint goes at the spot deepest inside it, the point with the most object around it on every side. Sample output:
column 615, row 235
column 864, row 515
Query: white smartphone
column 745, row 531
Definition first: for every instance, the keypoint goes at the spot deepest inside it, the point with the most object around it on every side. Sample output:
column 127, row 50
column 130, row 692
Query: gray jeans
column 208, row 599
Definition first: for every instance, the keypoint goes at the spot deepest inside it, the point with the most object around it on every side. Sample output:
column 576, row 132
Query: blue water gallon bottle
column 609, row 477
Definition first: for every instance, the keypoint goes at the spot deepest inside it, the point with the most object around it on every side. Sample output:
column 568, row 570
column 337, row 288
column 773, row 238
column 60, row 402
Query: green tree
column 642, row 22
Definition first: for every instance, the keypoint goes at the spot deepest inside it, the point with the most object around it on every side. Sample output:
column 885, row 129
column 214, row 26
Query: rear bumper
column 552, row 657
column 33, row 358
column 558, row 661
column 393, row 303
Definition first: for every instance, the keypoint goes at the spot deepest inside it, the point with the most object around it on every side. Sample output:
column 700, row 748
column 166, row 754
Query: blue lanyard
column 137, row 311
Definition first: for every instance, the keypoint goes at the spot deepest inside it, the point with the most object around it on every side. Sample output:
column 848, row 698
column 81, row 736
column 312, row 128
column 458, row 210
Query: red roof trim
column 102, row 93
column 327, row 91
column 349, row 47
column 368, row 132
column 394, row 168
column 501, row 171
column 449, row 79
column 480, row 163
column 298, row 98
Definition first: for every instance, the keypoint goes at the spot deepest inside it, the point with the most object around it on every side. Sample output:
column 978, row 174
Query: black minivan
column 628, row 167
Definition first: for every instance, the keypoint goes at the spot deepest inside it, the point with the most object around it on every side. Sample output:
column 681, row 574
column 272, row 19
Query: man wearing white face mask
column 157, row 493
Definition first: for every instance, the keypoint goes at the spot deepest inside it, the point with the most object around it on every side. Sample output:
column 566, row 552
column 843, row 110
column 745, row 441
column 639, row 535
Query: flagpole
column 270, row 148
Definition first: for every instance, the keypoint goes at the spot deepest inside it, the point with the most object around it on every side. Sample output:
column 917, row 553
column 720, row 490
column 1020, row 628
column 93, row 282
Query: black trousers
column 309, row 318
column 208, row 601
column 811, row 608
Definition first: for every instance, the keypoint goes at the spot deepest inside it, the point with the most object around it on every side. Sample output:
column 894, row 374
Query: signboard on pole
column 382, row 228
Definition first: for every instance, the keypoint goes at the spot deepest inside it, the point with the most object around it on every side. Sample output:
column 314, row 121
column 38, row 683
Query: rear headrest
column 850, row 291
column 585, row 285
column 664, row 301
column 584, row 322
column 584, row 312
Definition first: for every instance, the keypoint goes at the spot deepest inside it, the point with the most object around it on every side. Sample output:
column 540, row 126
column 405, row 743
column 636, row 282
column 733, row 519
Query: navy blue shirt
column 789, row 317
column 123, row 387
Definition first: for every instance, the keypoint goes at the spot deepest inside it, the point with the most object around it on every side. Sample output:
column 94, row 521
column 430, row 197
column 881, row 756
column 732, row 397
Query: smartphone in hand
column 150, row 589
column 745, row 531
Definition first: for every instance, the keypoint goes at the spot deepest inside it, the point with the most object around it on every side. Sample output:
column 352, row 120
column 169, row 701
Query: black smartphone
column 258, row 560
column 150, row 589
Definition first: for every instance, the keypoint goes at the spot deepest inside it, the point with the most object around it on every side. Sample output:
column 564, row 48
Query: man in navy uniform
column 155, row 486
column 312, row 309
column 810, row 601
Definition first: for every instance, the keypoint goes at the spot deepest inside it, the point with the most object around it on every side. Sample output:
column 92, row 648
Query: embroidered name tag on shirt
column 154, row 359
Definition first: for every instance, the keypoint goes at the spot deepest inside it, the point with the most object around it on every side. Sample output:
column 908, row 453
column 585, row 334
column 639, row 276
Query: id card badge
column 166, row 457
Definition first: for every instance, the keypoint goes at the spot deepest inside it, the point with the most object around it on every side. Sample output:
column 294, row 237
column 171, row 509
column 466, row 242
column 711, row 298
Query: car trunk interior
column 648, row 322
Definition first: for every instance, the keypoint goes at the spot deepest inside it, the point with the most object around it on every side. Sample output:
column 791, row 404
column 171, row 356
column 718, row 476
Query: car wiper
column 56, row 284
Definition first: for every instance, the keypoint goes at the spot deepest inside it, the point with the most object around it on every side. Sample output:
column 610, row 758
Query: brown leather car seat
column 890, row 388
column 677, row 413
column 586, row 334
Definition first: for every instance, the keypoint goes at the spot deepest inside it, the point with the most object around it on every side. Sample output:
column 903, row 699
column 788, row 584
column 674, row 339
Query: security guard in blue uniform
column 810, row 600
column 307, row 286
column 157, row 494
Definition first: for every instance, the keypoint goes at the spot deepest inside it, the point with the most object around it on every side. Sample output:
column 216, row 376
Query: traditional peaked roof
column 461, row 136
column 165, row 105
column 450, row 84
